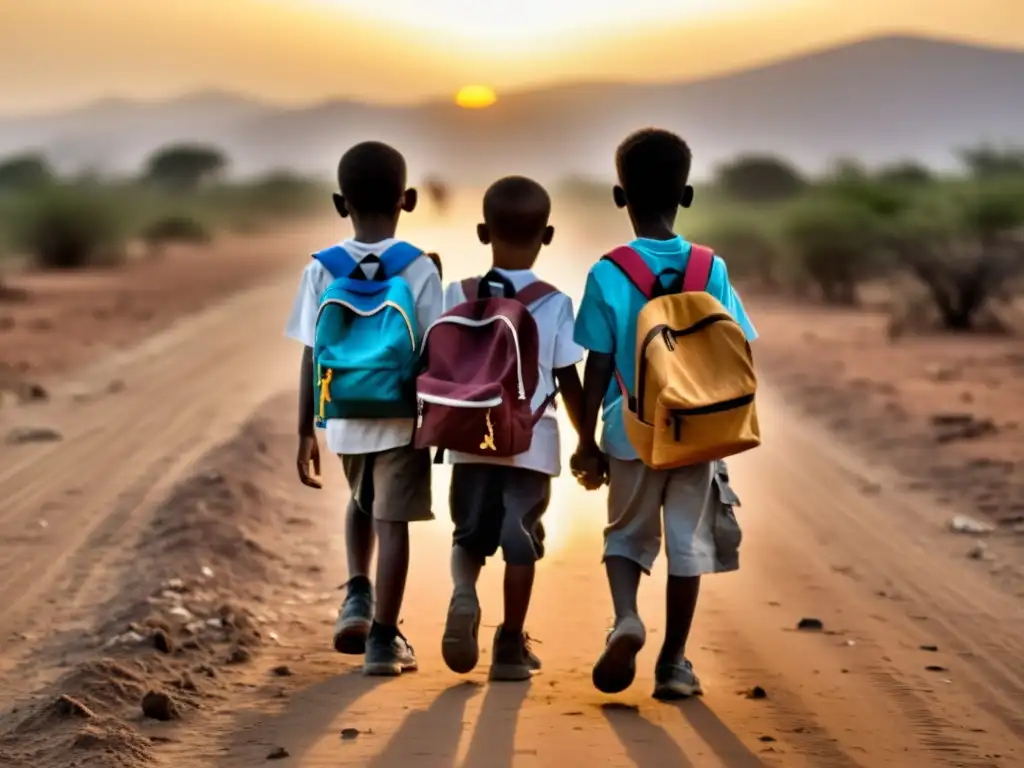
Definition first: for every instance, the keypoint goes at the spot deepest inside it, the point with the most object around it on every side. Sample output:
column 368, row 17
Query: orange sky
column 56, row 53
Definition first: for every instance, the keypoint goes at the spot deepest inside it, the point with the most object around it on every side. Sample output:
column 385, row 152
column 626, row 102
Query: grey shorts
column 494, row 506
column 390, row 485
column 692, row 505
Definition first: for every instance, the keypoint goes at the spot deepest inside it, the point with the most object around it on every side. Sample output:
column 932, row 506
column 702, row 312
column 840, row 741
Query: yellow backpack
column 695, row 383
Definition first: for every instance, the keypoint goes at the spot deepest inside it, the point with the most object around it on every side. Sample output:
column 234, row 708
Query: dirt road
column 825, row 537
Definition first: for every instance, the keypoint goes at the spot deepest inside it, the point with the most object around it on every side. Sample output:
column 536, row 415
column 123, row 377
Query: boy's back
column 358, row 436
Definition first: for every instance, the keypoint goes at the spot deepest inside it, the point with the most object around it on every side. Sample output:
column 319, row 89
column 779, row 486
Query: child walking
column 361, row 311
column 690, row 505
column 498, row 501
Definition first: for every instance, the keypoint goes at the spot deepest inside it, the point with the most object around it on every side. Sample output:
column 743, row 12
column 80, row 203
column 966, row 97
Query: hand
column 309, row 454
column 589, row 466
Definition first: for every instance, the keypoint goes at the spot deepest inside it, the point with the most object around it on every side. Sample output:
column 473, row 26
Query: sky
column 57, row 54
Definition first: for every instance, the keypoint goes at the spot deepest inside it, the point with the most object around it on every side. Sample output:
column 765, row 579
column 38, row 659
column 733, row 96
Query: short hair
column 516, row 209
column 653, row 167
column 371, row 177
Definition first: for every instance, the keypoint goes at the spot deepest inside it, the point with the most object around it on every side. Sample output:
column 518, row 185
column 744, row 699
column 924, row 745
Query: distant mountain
column 879, row 100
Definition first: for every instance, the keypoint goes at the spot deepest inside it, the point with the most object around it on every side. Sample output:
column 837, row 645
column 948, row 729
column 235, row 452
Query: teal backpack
column 366, row 342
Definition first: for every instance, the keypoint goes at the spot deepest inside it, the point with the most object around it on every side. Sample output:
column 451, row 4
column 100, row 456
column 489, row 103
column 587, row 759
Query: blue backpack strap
column 337, row 261
column 399, row 256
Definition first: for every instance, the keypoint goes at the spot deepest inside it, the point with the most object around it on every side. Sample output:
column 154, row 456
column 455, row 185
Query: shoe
column 459, row 645
column 511, row 657
column 388, row 653
column 616, row 669
column 532, row 658
column 676, row 681
column 354, row 618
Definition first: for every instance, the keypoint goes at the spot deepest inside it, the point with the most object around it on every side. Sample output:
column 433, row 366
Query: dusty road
column 825, row 537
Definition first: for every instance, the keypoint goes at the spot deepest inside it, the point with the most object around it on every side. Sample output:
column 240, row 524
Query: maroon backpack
column 481, row 371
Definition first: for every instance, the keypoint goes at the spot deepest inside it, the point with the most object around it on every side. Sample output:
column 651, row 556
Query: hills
column 879, row 100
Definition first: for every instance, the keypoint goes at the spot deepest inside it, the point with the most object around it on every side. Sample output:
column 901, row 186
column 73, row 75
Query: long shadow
column 646, row 743
column 430, row 738
column 723, row 742
column 307, row 717
column 494, row 738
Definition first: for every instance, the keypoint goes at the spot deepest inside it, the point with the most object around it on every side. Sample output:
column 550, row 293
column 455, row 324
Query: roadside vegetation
column 182, row 195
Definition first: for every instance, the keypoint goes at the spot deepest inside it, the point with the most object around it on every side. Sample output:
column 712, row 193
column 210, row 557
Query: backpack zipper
column 470, row 323
column 493, row 402
column 374, row 311
column 669, row 335
column 325, row 391
column 703, row 410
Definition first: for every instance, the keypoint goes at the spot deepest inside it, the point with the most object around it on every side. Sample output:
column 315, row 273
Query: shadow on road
column 723, row 742
column 430, row 737
column 646, row 743
column 494, row 739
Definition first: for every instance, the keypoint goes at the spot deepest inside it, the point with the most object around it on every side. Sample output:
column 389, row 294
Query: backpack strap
column 534, row 292
column 336, row 260
column 698, row 268
column 470, row 286
column 399, row 256
column 633, row 266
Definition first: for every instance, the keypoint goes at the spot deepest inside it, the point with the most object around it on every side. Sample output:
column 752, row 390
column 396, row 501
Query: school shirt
column 607, row 321
column 554, row 317
column 357, row 436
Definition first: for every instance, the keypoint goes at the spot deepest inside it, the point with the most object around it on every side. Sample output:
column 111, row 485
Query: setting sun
column 475, row 97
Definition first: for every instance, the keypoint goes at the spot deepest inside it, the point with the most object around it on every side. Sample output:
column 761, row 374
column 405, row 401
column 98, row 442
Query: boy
column 499, row 502
column 653, row 169
column 389, row 479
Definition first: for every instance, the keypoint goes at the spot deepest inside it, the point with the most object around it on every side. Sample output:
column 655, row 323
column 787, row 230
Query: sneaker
column 388, row 653
column 354, row 618
column 676, row 681
column 511, row 657
column 532, row 658
column 616, row 669
column 459, row 645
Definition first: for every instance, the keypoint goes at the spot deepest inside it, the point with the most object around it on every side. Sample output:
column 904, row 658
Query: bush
column 68, row 227
column 836, row 244
column 185, row 167
column 747, row 246
column 175, row 229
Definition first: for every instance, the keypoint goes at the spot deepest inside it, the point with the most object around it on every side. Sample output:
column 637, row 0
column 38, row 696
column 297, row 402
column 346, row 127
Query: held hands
column 309, row 455
column 589, row 466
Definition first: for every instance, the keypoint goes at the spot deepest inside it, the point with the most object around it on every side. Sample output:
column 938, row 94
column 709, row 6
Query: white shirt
column 555, row 323
column 355, row 436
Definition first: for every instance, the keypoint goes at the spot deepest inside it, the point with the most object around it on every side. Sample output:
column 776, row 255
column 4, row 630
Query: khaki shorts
column 692, row 505
column 390, row 485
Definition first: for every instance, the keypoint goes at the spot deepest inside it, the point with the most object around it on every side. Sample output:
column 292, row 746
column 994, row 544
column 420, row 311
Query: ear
column 409, row 200
column 483, row 233
column 340, row 205
column 548, row 236
column 687, row 199
column 619, row 195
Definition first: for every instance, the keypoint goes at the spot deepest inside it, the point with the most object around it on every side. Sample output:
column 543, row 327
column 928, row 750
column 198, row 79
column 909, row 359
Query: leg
column 691, row 502
column 476, row 509
column 354, row 616
column 401, row 479
column 632, row 540
column 526, row 495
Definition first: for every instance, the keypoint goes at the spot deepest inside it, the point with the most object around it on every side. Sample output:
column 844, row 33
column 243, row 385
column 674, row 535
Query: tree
column 986, row 161
column 836, row 243
column 905, row 173
column 185, row 167
column 760, row 178
column 965, row 250
column 23, row 172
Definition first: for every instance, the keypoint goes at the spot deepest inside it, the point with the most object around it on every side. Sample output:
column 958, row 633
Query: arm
column 571, row 389
column 306, row 393
column 302, row 327
column 596, row 379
